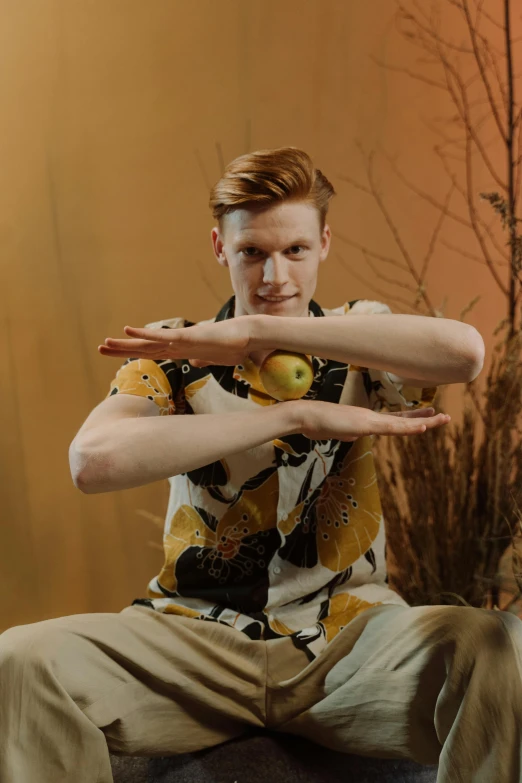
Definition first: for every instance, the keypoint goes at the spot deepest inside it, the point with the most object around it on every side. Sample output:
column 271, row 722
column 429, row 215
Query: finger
column 408, row 426
column 157, row 335
column 431, row 423
column 122, row 344
column 438, row 420
column 105, row 351
column 428, row 415
column 418, row 413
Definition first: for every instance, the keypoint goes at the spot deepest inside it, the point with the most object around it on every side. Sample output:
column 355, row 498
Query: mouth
column 275, row 301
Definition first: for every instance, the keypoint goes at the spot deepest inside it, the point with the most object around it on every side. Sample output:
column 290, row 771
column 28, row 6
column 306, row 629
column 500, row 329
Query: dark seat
column 269, row 758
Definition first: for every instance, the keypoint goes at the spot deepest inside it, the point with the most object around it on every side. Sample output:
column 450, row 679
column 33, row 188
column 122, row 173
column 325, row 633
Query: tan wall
column 111, row 117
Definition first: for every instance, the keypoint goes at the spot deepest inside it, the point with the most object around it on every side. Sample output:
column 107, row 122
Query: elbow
column 89, row 470
column 475, row 352
column 76, row 466
column 84, row 485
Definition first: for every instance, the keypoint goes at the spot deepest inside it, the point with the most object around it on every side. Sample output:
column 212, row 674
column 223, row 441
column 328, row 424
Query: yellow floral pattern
column 349, row 509
column 286, row 538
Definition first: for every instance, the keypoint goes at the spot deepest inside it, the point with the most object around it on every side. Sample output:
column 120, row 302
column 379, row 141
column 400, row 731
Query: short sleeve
column 159, row 380
column 395, row 396
column 382, row 391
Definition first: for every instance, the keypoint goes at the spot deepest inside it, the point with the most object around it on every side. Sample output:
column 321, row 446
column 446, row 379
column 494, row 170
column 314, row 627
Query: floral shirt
column 286, row 538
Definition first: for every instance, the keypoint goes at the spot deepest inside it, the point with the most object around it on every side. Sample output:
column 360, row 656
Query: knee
column 474, row 632
column 32, row 643
column 487, row 628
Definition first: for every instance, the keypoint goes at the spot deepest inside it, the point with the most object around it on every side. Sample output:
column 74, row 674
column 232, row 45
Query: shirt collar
column 248, row 372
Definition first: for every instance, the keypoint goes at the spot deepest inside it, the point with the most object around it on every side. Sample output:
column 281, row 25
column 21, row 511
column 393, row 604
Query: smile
column 273, row 299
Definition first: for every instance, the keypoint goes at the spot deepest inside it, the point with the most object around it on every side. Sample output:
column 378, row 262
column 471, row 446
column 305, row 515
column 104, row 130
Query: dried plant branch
column 429, row 31
column 425, row 31
column 435, row 235
column 468, row 308
column 473, row 217
column 491, row 19
column 482, row 70
column 412, row 74
column 396, row 235
column 390, row 280
column 479, row 226
column 452, row 77
column 467, row 254
column 494, row 66
column 462, row 483
column 511, row 174
column 355, row 184
column 432, row 200
column 392, row 299
column 451, row 500
column 372, row 253
column 518, row 161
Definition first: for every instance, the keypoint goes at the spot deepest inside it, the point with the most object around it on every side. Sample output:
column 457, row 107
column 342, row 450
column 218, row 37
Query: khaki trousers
column 434, row 684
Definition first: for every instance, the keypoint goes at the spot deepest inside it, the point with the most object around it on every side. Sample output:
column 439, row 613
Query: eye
column 294, row 250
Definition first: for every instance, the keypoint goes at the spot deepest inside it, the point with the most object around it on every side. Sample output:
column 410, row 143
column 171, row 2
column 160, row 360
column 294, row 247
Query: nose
column 275, row 271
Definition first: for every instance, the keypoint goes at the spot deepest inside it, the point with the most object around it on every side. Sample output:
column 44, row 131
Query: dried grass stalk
column 451, row 497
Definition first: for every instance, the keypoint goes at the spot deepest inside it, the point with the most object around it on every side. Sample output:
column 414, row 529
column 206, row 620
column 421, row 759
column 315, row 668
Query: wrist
column 261, row 332
column 294, row 413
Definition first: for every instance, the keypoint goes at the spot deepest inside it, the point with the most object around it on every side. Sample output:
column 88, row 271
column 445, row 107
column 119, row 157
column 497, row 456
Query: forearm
column 132, row 452
column 437, row 350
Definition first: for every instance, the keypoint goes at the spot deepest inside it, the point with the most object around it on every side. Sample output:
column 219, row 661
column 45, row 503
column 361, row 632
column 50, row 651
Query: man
column 272, row 607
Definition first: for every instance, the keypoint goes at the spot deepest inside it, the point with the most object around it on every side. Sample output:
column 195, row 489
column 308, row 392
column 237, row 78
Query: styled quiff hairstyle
column 259, row 180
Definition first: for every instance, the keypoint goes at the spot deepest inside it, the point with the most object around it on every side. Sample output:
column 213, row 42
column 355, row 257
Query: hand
column 324, row 420
column 223, row 342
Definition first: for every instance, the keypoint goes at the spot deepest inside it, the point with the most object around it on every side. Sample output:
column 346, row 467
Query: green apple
column 286, row 375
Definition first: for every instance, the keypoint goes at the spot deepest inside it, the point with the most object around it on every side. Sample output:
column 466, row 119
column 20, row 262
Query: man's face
column 272, row 253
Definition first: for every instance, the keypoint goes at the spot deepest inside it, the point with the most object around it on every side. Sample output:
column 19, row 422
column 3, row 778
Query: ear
column 326, row 238
column 218, row 246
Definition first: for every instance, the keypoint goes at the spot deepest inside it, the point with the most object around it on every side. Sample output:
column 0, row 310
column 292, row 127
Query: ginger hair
column 260, row 179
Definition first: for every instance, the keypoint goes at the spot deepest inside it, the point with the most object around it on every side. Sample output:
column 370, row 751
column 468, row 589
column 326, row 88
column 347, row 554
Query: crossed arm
column 416, row 350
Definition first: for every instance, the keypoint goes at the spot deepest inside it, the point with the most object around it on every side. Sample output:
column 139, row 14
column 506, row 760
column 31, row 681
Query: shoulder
column 167, row 323
column 358, row 307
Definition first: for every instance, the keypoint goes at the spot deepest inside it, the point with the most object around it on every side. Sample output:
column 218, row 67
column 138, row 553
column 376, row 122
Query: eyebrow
column 251, row 242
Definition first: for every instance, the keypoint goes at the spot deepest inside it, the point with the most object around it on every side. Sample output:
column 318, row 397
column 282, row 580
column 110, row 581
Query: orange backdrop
column 116, row 119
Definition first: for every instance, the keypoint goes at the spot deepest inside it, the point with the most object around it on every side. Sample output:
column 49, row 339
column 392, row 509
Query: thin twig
column 482, row 71
column 390, row 280
column 373, row 287
column 479, row 222
column 439, row 205
column 512, row 185
column 467, row 254
column 355, row 184
column 432, row 33
column 473, row 217
column 395, row 233
column 463, row 109
column 435, row 234
column 412, row 74
column 492, row 20
column 500, row 83
column 371, row 253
